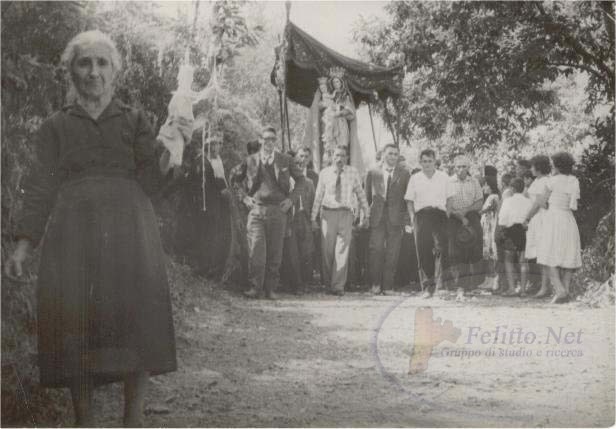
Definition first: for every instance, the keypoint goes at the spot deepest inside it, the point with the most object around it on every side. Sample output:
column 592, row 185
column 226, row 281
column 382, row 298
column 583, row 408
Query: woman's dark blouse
column 71, row 145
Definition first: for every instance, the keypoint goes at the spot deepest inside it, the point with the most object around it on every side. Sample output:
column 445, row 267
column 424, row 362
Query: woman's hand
column 14, row 264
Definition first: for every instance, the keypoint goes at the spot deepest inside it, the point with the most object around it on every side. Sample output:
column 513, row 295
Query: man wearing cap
column 427, row 196
column 203, row 220
column 266, row 176
column 217, row 208
column 465, row 233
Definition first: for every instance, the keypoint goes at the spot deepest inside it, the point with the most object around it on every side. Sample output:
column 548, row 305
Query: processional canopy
column 307, row 59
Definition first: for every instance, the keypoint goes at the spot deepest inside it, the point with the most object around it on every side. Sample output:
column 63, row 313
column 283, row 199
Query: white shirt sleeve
column 575, row 193
column 410, row 190
column 503, row 214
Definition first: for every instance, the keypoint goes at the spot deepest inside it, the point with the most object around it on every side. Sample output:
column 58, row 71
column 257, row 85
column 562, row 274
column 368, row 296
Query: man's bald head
column 462, row 165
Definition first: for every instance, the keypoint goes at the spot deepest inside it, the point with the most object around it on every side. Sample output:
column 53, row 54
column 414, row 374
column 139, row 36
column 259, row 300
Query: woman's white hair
column 86, row 38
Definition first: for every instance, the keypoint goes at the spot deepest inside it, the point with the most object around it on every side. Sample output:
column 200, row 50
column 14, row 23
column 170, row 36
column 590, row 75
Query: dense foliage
column 152, row 46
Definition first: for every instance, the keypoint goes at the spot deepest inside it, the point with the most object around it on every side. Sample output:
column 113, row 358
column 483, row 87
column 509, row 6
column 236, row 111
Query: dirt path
column 320, row 360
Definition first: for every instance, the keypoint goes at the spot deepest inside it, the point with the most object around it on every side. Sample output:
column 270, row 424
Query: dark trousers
column 302, row 229
column 290, row 272
column 406, row 271
column 431, row 230
column 266, row 229
column 298, row 247
column 316, row 255
column 384, row 249
column 358, row 257
column 465, row 261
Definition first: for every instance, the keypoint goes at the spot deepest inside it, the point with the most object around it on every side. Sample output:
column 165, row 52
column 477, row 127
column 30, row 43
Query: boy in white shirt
column 511, row 219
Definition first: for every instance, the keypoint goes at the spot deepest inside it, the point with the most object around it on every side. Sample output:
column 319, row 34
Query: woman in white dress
column 559, row 245
column 540, row 168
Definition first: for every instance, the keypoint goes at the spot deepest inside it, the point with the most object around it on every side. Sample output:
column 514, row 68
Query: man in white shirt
column 512, row 218
column 338, row 190
column 426, row 197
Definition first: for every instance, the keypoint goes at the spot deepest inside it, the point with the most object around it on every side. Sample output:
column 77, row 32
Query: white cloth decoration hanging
column 177, row 130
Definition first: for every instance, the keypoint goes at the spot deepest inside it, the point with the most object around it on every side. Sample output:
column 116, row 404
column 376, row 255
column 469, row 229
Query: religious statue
column 332, row 120
column 340, row 111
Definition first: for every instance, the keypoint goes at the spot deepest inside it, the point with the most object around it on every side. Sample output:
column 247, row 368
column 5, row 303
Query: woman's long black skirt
column 104, row 309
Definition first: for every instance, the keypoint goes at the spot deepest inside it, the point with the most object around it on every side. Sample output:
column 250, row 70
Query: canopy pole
column 286, row 114
column 372, row 127
column 281, row 117
column 287, row 6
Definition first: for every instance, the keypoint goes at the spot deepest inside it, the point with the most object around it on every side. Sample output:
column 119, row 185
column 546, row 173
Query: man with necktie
column 266, row 176
column 385, row 188
column 338, row 188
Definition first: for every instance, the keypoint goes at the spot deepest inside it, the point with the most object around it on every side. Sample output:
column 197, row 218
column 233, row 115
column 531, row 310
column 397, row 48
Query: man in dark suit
column 266, row 178
column 385, row 189
column 296, row 270
column 304, row 156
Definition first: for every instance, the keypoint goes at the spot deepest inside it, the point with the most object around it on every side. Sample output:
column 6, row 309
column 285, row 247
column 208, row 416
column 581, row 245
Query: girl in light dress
column 558, row 246
column 540, row 168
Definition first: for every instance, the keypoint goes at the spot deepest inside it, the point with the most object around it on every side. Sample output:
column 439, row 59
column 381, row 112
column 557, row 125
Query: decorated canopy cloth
column 307, row 59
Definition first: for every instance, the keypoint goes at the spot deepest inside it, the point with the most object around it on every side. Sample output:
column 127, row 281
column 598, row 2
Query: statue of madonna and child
column 332, row 121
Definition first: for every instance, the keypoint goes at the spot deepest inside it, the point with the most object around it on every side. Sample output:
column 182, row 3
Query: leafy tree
column 485, row 63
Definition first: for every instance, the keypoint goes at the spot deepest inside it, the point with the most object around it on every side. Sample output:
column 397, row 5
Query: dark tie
column 388, row 184
column 338, row 187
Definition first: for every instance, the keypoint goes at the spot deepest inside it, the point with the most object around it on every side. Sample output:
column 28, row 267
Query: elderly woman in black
column 104, row 312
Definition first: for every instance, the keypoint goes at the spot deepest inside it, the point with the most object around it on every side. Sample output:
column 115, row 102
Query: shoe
column 542, row 293
column 251, row 293
column 511, row 293
column 426, row 295
column 560, row 299
column 271, row 296
column 375, row 290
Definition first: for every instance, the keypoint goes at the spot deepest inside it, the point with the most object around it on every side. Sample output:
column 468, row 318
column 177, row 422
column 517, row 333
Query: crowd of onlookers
column 435, row 228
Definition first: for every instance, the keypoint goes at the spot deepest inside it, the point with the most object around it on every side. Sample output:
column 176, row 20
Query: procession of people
column 466, row 235
column 104, row 294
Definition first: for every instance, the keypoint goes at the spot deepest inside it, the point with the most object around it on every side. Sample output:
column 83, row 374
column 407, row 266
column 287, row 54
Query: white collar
column 385, row 169
column 267, row 159
column 433, row 174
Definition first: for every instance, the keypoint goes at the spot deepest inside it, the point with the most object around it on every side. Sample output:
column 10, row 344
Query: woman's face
column 337, row 83
column 215, row 147
column 323, row 88
column 92, row 71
